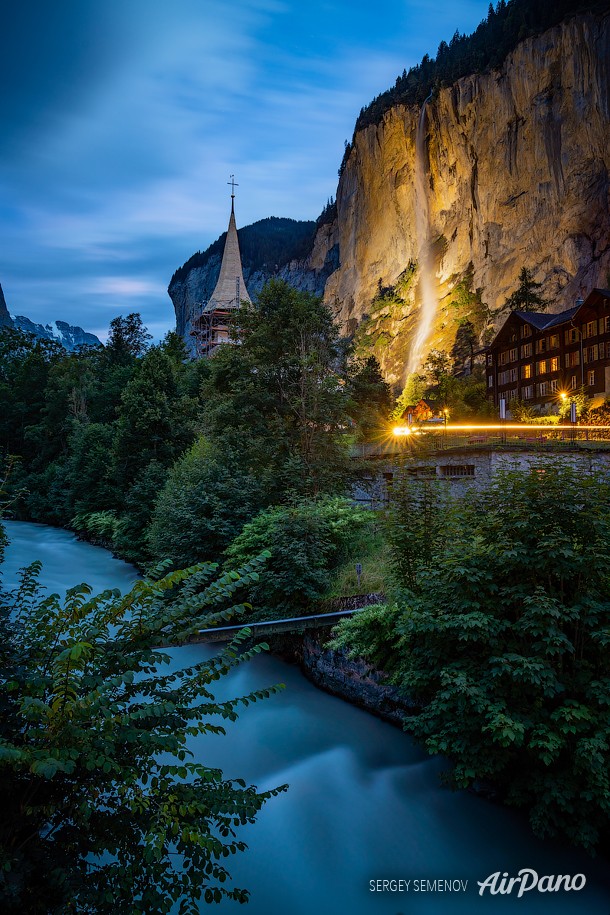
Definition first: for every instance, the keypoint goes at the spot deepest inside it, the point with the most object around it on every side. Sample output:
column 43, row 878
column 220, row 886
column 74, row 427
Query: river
column 364, row 802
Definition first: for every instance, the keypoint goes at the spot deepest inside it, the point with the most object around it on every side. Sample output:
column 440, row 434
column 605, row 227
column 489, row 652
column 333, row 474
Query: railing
column 407, row 440
column 274, row 627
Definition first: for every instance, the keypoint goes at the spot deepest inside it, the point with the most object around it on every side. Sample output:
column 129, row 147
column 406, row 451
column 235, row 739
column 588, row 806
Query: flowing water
column 364, row 802
column 428, row 305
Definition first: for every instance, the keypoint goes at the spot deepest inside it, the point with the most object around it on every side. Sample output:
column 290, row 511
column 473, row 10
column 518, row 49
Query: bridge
column 295, row 624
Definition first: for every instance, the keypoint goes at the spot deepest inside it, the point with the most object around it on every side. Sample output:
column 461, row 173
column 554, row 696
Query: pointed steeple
column 230, row 290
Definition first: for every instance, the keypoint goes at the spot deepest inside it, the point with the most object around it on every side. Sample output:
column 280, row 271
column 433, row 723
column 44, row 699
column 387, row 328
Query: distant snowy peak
column 67, row 335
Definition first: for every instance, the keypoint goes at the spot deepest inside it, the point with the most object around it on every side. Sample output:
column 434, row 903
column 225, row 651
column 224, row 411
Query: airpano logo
column 528, row 880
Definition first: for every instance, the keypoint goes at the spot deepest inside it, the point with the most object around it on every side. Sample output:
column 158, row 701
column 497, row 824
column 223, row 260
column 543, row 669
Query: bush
column 503, row 642
column 306, row 541
column 103, row 811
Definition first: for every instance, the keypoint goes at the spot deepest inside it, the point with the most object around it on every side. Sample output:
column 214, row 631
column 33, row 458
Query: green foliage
column 103, row 808
column 503, row 643
column 100, row 526
column 527, row 296
column 127, row 339
column 505, row 26
column 416, row 527
column 370, row 399
column 204, row 504
column 277, row 401
column 414, row 390
column 368, row 548
column 97, row 430
column 382, row 651
column 307, row 541
column 582, row 400
column 390, row 304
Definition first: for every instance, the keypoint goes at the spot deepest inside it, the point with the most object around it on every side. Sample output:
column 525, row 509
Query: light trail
column 495, row 427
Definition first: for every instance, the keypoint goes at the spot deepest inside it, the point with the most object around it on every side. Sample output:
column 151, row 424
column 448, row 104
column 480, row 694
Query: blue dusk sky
column 121, row 121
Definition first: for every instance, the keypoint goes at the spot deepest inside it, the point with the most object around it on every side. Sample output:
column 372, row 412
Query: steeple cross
column 233, row 184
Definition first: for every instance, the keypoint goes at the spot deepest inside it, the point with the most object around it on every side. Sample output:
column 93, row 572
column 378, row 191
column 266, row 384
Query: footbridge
column 294, row 624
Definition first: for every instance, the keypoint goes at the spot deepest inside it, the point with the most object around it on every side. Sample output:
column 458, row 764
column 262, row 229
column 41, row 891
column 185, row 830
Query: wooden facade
column 536, row 356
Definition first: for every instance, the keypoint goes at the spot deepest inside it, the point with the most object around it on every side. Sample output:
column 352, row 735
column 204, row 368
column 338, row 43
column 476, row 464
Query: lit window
column 526, row 371
column 553, row 364
column 591, row 378
column 541, row 367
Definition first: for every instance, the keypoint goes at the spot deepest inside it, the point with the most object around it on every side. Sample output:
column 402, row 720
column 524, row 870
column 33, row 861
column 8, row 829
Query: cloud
column 128, row 119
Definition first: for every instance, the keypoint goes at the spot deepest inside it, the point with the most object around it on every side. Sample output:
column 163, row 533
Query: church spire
column 230, row 290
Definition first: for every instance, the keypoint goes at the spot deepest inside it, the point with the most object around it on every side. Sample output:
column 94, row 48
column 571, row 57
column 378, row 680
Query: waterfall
column 422, row 225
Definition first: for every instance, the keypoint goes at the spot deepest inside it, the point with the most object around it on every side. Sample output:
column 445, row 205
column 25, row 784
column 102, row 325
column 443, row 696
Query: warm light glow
column 563, row 395
column 493, row 427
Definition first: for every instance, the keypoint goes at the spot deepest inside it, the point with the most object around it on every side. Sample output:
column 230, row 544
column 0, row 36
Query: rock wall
column 518, row 175
column 351, row 679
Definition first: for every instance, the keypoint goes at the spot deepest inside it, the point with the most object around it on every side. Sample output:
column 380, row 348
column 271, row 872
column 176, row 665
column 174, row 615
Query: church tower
column 211, row 328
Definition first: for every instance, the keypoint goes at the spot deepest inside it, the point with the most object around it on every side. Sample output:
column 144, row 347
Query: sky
column 122, row 120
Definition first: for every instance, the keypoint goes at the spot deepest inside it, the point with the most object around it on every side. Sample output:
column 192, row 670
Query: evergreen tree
column 526, row 297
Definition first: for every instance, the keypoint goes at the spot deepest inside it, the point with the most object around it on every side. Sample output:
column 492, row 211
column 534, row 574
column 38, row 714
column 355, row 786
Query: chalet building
column 211, row 327
column 536, row 356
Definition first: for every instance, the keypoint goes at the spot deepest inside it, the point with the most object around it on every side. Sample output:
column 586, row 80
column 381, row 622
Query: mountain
column 304, row 253
column 490, row 158
column 512, row 167
column 5, row 318
column 68, row 336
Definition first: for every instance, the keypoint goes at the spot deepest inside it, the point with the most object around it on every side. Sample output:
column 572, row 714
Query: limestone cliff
column 517, row 174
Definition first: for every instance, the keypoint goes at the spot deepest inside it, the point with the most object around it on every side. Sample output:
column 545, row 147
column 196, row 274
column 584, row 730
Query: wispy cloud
column 116, row 160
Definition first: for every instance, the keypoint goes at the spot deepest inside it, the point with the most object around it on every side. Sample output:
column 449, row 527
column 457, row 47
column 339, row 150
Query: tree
column 370, row 398
column 103, row 808
column 204, row 504
column 278, row 400
column 307, row 541
column 503, row 646
column 413, row 391
column 128, row 339
column 155, row 422
column 527, row 297
column 463, row 349
column 438, row 369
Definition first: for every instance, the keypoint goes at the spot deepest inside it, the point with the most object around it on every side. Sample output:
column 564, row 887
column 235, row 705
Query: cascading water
column 422, row 225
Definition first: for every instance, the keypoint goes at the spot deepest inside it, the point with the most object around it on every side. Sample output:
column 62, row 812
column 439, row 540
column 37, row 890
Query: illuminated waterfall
column 422, row 225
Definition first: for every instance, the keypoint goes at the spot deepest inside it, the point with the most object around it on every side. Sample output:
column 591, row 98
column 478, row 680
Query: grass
column 372, row 553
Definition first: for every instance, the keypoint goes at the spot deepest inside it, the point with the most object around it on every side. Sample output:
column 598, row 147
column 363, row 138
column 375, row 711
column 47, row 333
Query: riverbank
column 351, row 679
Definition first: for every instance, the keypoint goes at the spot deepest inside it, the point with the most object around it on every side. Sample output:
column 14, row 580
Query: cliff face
column 190, row 294
column 5, row 318
column 517, row 174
